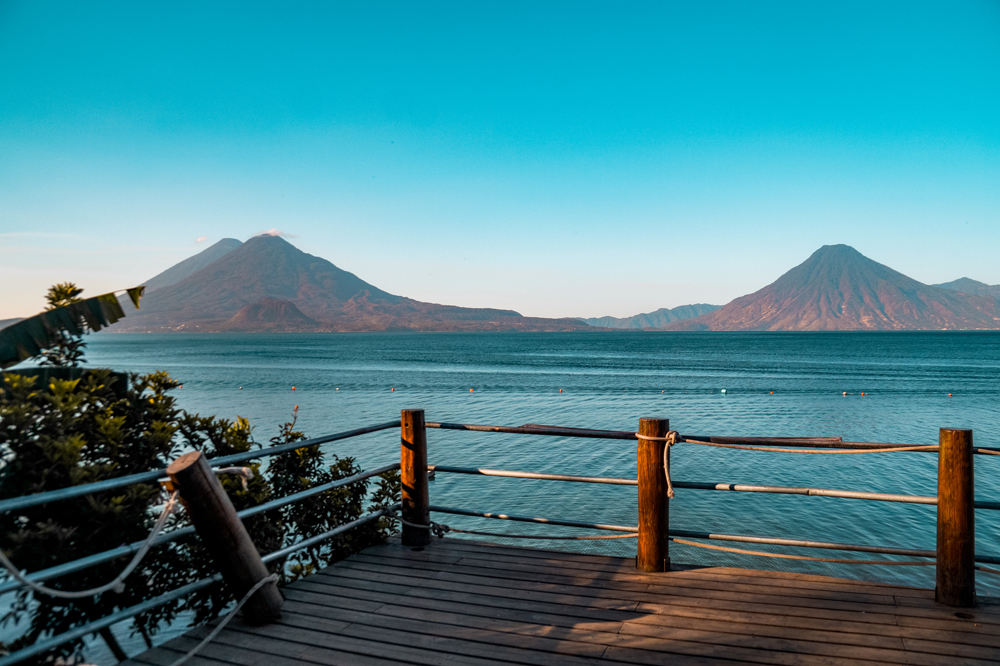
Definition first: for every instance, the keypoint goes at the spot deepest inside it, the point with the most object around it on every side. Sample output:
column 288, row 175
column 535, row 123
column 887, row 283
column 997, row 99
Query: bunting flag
column 28, row 337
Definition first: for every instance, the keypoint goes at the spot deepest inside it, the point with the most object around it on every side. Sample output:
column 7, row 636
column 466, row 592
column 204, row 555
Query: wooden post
column 224, row 535
column 413, row 477
column 653, row 553
column 956, row 528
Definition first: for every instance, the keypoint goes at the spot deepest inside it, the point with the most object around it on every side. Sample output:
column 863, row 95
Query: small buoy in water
column 665, row 391
column 722, row 391
column 949, row 395
column 862, row 393
column 293, row 388
column 470, row 390
column 772, row 392
column 393, row 388
column 844, row 393
column 241, row 388
column 337, row 389
column 560, row 390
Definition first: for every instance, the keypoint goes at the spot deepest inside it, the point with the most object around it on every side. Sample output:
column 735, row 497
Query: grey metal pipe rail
column 114, row 553
column 733, row 487
column 25, row 501
column 149, row 604
column 777, row 541
column 562, row 431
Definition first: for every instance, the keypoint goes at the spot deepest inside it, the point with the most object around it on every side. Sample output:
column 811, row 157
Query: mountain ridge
column 838, row 288
column 656, row 319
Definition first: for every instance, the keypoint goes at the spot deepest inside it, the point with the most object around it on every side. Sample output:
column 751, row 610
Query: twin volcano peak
column 838, row 288
column 268, row 284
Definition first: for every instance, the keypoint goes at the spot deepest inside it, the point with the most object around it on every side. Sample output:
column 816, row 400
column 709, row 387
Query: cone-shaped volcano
column 267, row 270
column 838, row 289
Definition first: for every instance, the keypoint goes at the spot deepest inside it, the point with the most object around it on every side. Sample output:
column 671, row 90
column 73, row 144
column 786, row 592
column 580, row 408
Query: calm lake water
column 777, row 384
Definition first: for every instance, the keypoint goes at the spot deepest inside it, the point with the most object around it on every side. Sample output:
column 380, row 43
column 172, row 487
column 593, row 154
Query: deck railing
column 219, row 525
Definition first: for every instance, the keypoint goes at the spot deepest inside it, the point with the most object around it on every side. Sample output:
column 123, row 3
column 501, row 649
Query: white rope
column 803, row 557
column 440, row 530
column 117, row 584
column 273, row 578
column 672, row 438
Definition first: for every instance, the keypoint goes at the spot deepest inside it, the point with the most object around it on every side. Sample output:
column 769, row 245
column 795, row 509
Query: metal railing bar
column 690, row 485
column 108, row 555
column 537, row 430
column 294, row 446
column 106, row 621
column 319, row 538
column 149, row 604
column 25, row 501
column 565, row 431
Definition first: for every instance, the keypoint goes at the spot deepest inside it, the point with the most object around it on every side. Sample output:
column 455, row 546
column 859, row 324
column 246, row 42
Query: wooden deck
column 464, row 602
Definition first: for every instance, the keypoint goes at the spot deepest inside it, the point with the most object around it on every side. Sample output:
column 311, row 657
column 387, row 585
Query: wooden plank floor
column 465, row 602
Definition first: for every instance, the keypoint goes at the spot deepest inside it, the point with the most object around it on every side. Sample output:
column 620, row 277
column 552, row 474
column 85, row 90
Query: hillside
column 656, row 319
column 969, row 286
column 838, row 288
column 192, row 265
column 267, row 283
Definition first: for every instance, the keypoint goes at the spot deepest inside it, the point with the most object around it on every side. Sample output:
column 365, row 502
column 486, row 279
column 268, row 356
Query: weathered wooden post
column 413, row 477
column 654, row 507
column 224, row 535
column 956, row 520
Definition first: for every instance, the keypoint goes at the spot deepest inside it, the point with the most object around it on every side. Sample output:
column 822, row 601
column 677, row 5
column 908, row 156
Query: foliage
column 81, row 431
column 67, row 346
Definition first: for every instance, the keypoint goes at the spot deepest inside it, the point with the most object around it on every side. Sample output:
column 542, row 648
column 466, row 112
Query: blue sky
column 559, row 159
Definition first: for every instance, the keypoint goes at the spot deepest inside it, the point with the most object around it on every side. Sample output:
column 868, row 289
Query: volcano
column 267, row 284
column 840, row 289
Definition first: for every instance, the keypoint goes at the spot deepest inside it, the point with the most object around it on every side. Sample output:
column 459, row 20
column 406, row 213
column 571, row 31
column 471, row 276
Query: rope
column 273, row 578
column 672, row 438
column 988, row 570
column 440, row 530
column 802, row 557
column 117, row 584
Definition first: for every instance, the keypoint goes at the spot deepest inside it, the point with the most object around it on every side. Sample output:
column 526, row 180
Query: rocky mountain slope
column 838, row 288
column 267, row 284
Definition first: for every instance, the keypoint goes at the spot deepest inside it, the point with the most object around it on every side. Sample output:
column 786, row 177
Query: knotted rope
column 672, row 438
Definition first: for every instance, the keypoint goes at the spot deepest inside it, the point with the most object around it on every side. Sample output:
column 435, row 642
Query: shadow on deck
column 466, row 602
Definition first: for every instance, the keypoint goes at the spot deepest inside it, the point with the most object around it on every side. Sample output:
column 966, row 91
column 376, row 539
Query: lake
column 776, row 384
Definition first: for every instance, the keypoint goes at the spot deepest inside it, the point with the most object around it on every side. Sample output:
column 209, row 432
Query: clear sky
column 559, row 159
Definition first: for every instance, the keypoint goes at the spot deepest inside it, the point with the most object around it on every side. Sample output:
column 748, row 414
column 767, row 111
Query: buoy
column 241, row 388
column 337, row 389
column 293, row 388
column 560, row 390
column 664, row 391
column 722, row 391
column 772, row 392
column 393, row 388
column 470, row 390
column 844, row 393
column 949, row 395
column 862, row 393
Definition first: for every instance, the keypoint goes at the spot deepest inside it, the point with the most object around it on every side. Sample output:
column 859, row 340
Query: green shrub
column 73, row 432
